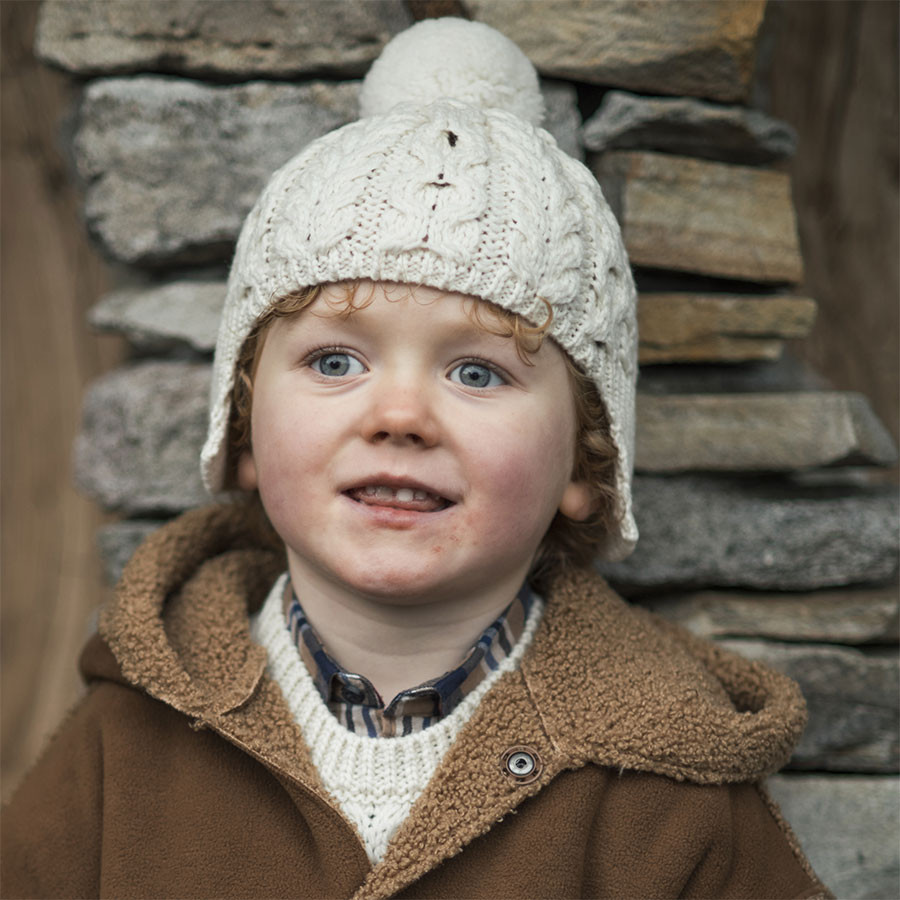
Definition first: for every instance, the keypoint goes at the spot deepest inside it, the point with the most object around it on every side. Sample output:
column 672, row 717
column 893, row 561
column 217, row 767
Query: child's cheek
column 523, row 478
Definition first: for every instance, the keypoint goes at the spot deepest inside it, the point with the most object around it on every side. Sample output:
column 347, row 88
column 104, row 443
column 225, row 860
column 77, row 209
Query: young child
column 398, row 676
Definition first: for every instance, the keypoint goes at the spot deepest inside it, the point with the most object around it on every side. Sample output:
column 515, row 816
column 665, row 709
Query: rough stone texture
column 562, row 118
column 687, row 127
column 701, row 48
column 161, row 318
column 753, row 533
column 142, row 429
column 758, row 432
column 223, row 39
column 849, row 827
column 787, row 373
column 118, row 541
column 711, row 218
column 685, row 327
column 172, row 167
column 846, row 616
column 853, row 698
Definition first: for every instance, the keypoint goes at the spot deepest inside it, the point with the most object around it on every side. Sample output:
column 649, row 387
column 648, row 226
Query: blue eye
column 476, row 375
column 337, row 365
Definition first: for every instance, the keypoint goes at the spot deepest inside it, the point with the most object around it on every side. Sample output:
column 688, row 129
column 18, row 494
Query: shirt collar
column 354, row 700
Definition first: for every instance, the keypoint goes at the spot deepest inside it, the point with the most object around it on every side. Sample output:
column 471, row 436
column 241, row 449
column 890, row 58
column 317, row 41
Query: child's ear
column 577, row 501
column 246, row 472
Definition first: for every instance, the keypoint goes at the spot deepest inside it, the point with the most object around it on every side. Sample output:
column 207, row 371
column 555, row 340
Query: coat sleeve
column 52, row 827
column 750, row 851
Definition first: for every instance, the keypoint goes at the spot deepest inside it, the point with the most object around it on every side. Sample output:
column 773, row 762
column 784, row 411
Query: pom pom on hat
column 455, row 59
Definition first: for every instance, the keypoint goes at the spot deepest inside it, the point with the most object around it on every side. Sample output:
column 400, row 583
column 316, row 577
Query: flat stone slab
column 223, row 39
column 845, row 616
column 786, row 374
column 761, row 534
column 691, row 215
column 117, row 542
column 142, row 429
column 758, row 432
column 699, row 50
column 853, row 698
column 703, row 48
column 849, row 826
column 562, row 117
column 158, row 319
column 687, row 327
column 172, row 167
column 687, row 127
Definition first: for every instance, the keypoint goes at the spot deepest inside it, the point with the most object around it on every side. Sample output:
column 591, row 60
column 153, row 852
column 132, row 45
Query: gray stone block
column 758, row 432
column 224, row 39
column 853, row 698
column 764, row 534
column 158, row 319
column 117, row 542
column 142, row 429
column 787, row 373
column 172, row 167
column 849, row 827
column 687, row 127
column 844, row 616
column 701, row 49
column 562, row 118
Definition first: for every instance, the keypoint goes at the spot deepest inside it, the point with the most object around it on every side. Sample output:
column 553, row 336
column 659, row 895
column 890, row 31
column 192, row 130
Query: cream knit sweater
column 375, row 781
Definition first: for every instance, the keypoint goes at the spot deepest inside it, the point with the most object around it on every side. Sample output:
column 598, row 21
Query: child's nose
column 401, row 414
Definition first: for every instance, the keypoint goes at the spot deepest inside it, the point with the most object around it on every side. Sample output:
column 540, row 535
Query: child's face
column 406, row 455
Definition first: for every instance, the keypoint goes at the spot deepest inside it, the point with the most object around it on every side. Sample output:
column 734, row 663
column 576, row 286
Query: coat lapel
column 471, row 789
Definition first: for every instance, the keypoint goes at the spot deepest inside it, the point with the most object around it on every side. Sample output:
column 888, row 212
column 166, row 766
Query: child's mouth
column 398, row 498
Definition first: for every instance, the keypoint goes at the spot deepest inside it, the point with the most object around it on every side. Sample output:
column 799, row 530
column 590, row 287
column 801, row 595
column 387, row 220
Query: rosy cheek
column 519, row 498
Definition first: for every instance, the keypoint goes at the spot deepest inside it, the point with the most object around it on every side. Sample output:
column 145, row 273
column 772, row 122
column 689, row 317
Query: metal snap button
column 522, row 763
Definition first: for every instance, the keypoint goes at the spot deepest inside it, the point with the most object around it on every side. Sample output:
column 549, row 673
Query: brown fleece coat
column 182, row 774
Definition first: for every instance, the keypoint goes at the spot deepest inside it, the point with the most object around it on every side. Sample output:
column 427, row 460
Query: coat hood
column 610, row 683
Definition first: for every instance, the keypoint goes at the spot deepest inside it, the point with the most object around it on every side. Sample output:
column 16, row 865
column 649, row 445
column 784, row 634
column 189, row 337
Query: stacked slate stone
column 759, row 526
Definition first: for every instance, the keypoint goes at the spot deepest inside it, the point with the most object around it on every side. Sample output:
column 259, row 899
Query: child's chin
column 402, row 587
column 403, row 592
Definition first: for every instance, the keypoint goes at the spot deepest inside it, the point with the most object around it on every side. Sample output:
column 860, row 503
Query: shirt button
column 522, row 763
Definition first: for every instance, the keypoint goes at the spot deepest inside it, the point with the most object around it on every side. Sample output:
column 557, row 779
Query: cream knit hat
column 446, row 181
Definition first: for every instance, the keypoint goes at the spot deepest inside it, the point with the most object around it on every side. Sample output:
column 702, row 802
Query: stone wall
column 760, row 524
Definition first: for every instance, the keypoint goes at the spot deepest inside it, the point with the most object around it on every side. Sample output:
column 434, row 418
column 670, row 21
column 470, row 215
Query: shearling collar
column 603, row 683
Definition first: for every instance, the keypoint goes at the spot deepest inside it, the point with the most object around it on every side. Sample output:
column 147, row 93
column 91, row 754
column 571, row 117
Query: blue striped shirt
column 355, row 702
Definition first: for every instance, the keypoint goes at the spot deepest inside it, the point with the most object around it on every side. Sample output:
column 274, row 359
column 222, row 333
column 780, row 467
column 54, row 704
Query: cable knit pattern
column 458, row 197
column 374, row 780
